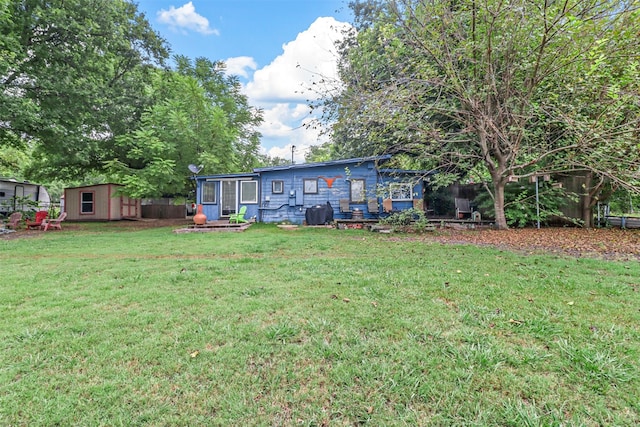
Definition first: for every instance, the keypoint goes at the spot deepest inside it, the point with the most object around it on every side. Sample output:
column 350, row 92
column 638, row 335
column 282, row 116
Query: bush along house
column 312, row 193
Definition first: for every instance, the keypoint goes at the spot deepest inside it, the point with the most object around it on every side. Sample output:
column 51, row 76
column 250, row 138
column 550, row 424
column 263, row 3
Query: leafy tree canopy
column 503, row 89
column 198, row 117
column 72, row 76
column 85, row 94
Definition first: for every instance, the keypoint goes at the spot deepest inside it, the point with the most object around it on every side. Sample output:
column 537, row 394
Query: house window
column 249, row 192
column 357, row 190
column 208, row 192
column 400, row 191
column 87, row 202
column 277, row 187
column 310, row 186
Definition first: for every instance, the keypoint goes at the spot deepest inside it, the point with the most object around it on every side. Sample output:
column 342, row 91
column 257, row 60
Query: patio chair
column 14, row 220
column 463, row 206
column 53, row 223
column 344, row 207
column 387, row 205
column 373, row 207
column 37, row 222
column 238, row 217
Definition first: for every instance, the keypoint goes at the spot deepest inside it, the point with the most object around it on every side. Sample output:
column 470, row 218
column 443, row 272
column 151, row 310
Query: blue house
column 351, row 188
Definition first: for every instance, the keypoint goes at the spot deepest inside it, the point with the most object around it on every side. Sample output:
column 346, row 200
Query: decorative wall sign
column 330, row 181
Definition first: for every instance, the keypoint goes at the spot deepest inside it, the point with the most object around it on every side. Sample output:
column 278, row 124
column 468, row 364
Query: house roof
column 94, row 185
column 321, row 164
column 406, row 172
column 227, row 175
column 257, row 171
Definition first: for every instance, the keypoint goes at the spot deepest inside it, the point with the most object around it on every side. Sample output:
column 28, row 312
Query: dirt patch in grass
column 149, row 223
column 577, row 242
column 116, row 225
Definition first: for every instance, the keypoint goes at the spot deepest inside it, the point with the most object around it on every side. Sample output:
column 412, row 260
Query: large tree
column 72, row 76
column 224, row 91
column 504, row 88
column 199, row 117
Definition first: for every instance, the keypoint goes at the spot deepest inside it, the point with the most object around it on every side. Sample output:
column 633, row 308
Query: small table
column 357, row 214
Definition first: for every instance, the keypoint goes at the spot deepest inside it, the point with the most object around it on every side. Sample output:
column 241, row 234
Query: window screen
column 310, row 186
column 249, row 192
column 400, row 191
column 357, row 190
column 86, row 203
column 277, row 187
column 208, row 192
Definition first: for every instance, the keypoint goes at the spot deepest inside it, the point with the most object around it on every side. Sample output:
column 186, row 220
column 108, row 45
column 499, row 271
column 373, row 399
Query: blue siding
column 214, row 210
column 398, row 176
column 332, row 183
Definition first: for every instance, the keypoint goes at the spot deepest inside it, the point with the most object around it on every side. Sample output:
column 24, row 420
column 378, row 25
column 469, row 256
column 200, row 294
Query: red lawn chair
column 37, row 223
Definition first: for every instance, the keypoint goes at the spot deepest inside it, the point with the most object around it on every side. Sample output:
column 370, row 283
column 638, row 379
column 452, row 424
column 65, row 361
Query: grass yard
column 105, row 326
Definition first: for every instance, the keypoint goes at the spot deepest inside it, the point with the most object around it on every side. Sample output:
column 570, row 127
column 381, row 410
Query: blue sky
column 276, row 47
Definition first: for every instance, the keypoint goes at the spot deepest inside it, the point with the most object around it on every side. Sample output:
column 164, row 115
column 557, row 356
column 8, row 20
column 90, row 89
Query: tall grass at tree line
column 104, row 326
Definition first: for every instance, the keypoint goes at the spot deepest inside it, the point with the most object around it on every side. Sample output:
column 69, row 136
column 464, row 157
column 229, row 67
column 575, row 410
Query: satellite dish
column 195, row 169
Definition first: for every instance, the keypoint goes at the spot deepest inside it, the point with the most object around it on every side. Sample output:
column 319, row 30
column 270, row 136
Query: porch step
column 212, row 226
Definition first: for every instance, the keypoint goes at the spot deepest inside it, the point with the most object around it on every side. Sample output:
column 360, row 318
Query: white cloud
column 275, row 117
column 238, row 66
column 284, row 152
column 311, row 57
column 284, row 87
column 279, row 137
column 186, row 18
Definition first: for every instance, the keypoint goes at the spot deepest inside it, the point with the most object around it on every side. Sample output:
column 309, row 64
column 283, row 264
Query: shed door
column 229, row 197
column 128, row 207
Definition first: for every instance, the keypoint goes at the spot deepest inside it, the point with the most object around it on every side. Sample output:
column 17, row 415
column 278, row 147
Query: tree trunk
column 585, row 201
column 498, row 204
column 587, row 213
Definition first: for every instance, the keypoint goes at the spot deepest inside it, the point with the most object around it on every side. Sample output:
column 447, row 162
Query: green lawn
column 108, row 326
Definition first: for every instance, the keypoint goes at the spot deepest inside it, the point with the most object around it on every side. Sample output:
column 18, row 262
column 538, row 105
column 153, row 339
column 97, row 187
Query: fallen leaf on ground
column 577, row 242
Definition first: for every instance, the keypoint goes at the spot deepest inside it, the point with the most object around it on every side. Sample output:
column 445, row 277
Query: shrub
column 520, row 203
column 408, row 220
